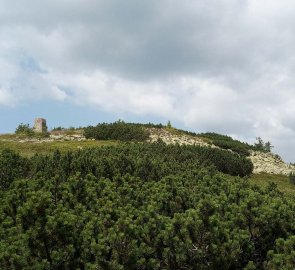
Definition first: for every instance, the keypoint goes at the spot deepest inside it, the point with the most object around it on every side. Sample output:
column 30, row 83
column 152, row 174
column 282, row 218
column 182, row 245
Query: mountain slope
column 263, row 162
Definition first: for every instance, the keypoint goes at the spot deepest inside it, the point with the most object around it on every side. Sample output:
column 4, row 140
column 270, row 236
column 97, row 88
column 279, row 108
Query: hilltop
column 264, row 162
column 267, row 166
column 73, row 139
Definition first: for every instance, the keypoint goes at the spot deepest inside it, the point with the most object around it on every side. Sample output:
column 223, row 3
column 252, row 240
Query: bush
column 260, row 145
column 282, row 257
column 152, row 160
column 58, row 128
column 141, row 206
column 226, row 142
column 24, row 129
column 117, row 131
column 12, row 166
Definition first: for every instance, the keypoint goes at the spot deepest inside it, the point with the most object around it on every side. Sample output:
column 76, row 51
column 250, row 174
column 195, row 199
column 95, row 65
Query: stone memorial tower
column 40, row 125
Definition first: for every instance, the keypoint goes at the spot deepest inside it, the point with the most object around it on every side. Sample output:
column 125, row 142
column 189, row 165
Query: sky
column 223, row 66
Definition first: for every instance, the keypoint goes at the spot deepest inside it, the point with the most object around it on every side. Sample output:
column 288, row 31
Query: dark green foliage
column 260, row 145
column 24, row 129
column 148, row 161
column 141, row 206
column 283, row 257
column 117, row 131
column 149, row 125
column 12, row 166
column 226, row 142
column 58, row 128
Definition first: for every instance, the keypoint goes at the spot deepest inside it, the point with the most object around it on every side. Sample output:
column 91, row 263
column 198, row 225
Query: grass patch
column 282, row 181
column 10, row 136
column 28, row 149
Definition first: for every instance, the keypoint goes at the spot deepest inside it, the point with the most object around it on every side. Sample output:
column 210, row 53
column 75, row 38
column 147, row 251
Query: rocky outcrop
column 270, row 163
column 62, row 137
column 170, row 138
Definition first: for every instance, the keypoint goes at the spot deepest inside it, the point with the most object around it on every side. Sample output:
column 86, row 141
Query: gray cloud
column 211, row 65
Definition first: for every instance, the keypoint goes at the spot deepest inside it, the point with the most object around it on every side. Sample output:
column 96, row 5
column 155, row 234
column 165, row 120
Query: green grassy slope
column 29, row 149
column 282, row 182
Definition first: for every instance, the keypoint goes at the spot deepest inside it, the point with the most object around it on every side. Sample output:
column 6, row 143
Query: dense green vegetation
column 227, row 142
column 137, row 132
column 122, row 131
column 140, row 206
column 117, row 131
column 260, row 145
column 24, row 129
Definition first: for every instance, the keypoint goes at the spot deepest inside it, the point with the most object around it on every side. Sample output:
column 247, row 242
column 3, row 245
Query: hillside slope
column 263, row 162
column 140, row 206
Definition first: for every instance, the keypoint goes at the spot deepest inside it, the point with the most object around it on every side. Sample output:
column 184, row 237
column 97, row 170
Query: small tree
column 268, row 147
column 24, row 129
column 260, row 145
column 169, row 124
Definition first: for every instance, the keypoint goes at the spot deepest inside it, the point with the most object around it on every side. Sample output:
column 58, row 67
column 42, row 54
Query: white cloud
column 6, row 98
column 225, row 66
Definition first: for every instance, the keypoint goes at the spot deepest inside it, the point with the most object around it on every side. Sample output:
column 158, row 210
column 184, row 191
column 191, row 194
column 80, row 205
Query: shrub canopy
column 140, row 206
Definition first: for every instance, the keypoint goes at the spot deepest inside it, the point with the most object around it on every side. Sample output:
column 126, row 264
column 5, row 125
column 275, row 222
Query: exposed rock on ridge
column 263, row 162
column 270, row 163
column 170, row 138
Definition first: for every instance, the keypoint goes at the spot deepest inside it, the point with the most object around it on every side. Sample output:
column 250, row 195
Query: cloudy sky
column 207, row 65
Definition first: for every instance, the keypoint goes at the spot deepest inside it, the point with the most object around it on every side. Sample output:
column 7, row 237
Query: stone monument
column 40, row 125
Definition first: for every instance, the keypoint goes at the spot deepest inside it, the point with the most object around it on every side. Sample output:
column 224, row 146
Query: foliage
column 149, row 125
column 59, row 128
column 24, row 129
column 260, row 145
column 141, row 206
column 226, row 142
column 283, row 257
column 146, row 160
column 117, row 131
column 12, row 166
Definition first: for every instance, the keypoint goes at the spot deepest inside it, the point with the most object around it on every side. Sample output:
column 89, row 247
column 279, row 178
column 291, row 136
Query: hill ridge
column 263, row 162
